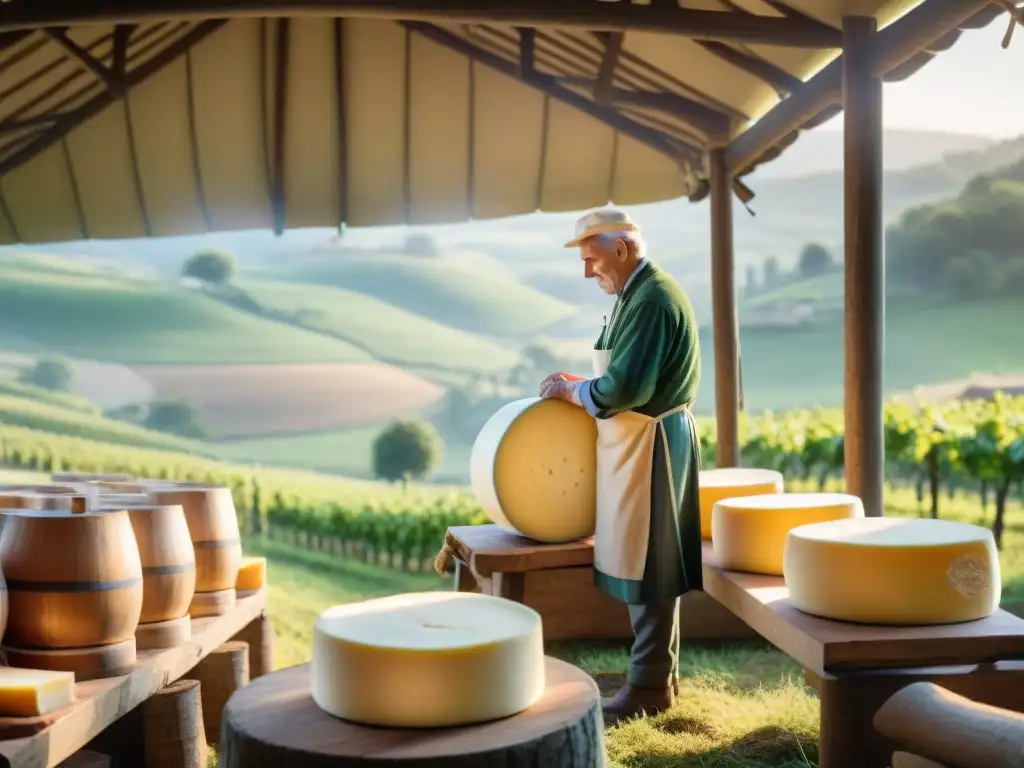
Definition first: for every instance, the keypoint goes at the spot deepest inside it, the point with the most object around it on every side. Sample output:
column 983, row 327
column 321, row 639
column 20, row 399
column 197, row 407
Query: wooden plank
column 821, row 645
column 490, row 549
column 101, row 702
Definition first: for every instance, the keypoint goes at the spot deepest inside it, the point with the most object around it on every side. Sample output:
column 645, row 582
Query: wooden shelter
column 155, row 117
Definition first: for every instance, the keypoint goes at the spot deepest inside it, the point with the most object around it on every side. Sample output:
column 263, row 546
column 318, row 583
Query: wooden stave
column 576, row 742
column 97, row 617
column 213, row 526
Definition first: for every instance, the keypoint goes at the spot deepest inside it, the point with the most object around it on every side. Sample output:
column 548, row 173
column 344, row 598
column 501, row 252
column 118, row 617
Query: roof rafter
column 581, row 14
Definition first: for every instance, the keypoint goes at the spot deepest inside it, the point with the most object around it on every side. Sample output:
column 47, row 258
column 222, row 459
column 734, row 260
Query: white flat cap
column 604, row 220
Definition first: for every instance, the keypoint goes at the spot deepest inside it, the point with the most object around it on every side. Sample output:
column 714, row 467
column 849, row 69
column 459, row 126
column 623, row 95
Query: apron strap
column 668, row 456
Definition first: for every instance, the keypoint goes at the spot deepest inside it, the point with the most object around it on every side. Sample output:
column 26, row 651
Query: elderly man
column 647, row 546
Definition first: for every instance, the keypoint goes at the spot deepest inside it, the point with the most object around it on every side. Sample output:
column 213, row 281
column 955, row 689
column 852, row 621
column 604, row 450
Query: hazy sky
column 975, row 87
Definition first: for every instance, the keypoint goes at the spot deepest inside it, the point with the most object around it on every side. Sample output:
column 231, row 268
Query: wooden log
column 220, row 674
column 212, row 603
column 174, row 732
column 944, row 726
column 274, row 722
column 909, row 760
column 213, row 526
column 163, row 634
column 87, row 758
column 259, row 636
column 73, row 581
column 88, row 663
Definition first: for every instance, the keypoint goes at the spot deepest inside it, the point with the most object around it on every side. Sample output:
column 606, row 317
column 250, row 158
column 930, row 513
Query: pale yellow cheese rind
column 34, row 692
column 878, row 570
column 730, row 482
column 427, row 660
column 749, row 532
column 252, row 574
column 534, row 469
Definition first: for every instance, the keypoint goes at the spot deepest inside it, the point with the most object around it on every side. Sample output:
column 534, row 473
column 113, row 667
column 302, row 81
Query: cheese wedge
column 749, row 532
column 252, row 574
column 427, row 659
column 884, row 570
column 730, row 482
column 34, row 692
column 533, row 469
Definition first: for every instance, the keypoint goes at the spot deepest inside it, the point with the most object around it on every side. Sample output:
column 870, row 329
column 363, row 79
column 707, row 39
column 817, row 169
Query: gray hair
column 629, row 236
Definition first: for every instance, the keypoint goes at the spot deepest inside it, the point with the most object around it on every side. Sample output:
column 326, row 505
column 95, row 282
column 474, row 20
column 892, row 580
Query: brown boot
column 632, row 701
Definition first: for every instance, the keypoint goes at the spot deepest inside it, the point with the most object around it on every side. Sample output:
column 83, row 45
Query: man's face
column 601, row 264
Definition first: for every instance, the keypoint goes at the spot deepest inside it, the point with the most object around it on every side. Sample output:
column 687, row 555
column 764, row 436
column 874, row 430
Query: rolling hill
column 457, row 292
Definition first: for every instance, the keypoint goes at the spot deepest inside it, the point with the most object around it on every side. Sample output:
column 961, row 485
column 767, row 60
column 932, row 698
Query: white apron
column 625, row 456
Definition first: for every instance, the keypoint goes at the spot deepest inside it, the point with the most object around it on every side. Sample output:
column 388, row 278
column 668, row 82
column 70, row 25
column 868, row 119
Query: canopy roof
column 135, row 118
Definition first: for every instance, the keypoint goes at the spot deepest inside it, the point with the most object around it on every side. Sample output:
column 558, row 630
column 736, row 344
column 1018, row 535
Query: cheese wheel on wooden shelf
column 533, row 469
column 749, row 532
column 430, row 659
column 893, row 571
column 252, row 574
column 34, row 692
column 730, row 482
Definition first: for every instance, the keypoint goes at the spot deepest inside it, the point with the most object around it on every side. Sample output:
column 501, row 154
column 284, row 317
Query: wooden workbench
column 102, row 702
column 557, row 580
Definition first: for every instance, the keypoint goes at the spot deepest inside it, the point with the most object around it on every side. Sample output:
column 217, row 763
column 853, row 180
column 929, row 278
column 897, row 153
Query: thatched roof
column 132, row 118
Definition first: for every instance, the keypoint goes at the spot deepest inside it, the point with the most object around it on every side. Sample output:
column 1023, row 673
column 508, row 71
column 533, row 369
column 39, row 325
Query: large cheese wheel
column 729, row 482
column 878, row 570
column 427, row 659
column 749, row 532
column 533, row 469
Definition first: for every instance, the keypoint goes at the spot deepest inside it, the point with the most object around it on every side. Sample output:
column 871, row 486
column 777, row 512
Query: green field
column 97, row 316
column 449, row 290
column 384, row 330
column 13, row 388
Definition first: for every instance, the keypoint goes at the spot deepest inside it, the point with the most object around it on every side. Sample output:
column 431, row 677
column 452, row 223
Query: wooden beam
column 141, row 73
column 280, row 107
column 723, row 302
column 893, row 45
column 864, row 267
column 122, row 36
column 548, row 85
column 527, row 52
column 606, row 73
column 75, row 51
column 579, row 14
column 778, row 78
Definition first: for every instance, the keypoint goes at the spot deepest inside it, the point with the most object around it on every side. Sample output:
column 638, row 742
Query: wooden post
column 864, row 266
column 259, row 635
column 220, row 674
column 174, row 735
column 723, row 299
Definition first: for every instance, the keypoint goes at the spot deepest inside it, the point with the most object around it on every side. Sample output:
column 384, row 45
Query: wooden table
column 101, row 702
column 557, row 580
column 856, row 668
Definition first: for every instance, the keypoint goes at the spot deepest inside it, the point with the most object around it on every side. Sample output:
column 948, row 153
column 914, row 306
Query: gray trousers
column 655, row 654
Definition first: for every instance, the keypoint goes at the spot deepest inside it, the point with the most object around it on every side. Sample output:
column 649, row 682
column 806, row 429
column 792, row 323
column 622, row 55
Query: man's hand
column 559, row 386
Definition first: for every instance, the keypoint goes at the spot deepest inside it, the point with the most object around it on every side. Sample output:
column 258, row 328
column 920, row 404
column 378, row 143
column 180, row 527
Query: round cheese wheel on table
column 533, row 469
column 749, row 532
column 730, row 482
column 883, row 570
column 427, row 660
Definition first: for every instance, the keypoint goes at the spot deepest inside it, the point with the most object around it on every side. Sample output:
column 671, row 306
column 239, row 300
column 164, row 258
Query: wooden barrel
column 73, row 581
column 274, row 721
column 168, row 560
column 213, row 526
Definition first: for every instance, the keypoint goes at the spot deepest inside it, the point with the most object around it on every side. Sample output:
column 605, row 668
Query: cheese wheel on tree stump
column 533, row 469
column 428, row 659
column 879, row 570
column 730, row 482
column 749, row 532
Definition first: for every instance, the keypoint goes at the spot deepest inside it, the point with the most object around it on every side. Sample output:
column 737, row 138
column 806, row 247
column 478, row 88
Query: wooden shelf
column 102, row 702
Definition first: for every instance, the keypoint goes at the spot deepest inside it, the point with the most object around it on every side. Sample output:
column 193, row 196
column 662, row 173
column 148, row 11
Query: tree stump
column 274, row 723
column 259, row 634
column 220, row 674
column 174, row 734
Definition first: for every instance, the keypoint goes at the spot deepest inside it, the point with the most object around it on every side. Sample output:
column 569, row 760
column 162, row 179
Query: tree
column 420, row 244
column 815, row 260
column 751, row 285
column 771, row 272
column 175, row 417
column 50, row 373
column 212, row 266
column 406, row 450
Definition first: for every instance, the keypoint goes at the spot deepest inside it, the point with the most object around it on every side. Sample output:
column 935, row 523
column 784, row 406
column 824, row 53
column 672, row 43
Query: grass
column 65, row 400
column 740, row 706
column 452, row 291
column 97, row 316
column 386, row 331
